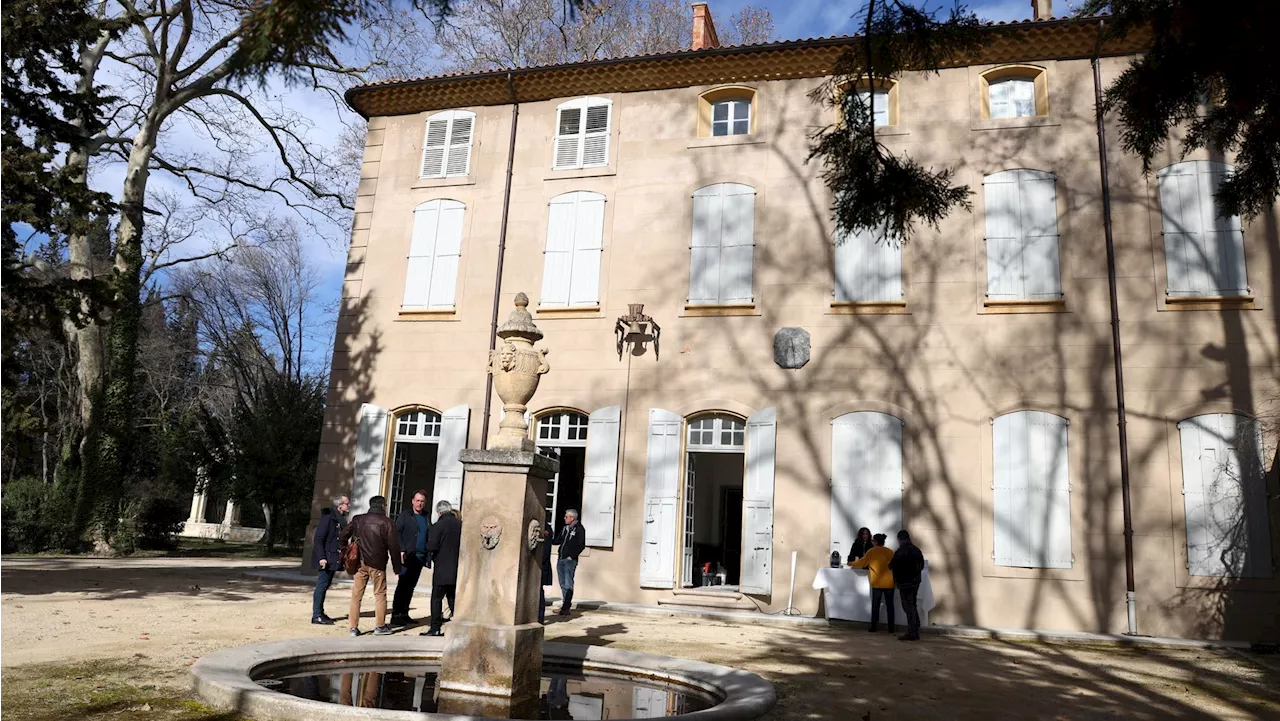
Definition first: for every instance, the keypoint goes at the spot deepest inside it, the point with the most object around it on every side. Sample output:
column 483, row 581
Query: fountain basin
column 229, row 679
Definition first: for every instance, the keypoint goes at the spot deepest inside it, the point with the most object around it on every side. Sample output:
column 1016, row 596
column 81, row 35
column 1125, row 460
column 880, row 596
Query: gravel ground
column 73, row 628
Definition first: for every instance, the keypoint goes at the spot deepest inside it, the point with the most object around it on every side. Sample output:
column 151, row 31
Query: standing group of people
column 888, row 569
column 411, row 543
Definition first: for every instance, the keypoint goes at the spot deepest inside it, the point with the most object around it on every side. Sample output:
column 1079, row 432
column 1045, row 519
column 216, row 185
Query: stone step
column 707, row 601
column 710, row 592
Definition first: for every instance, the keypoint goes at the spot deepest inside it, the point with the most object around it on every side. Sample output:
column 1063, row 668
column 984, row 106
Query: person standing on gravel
column 573, row 541
column 444, row 541
column 411, row 527
column 325, row 557
column 906, row 566
column 376, row 537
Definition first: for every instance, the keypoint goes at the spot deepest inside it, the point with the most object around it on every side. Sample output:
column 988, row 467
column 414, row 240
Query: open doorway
column 712, row 528
column 413, row 462
column 562, row 435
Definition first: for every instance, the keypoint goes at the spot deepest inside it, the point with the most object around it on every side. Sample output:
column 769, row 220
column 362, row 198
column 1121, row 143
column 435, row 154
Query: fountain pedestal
column 493, row 647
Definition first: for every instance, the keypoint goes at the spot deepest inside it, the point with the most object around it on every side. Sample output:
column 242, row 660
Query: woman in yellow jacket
column 877, row 561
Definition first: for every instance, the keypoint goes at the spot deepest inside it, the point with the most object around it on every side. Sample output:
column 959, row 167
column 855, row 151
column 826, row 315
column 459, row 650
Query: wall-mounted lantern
column 634, row 330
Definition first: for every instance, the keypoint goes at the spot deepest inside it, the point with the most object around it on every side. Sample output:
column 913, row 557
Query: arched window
column 582, row 133
column 1203, row 252
column 727, row 111
column 717, row 433
column 723, row 245
column 1032, row 490
column 562, row 435
column 413, row 464
column 1224, row 491
column 575, row 242
column 1014, row 91
column 431, row 274
column 446, row 150
column 1022, row 236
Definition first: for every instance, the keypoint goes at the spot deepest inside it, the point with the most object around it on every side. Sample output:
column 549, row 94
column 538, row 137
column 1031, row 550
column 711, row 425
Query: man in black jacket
column 444, row 540
column 906, row 565
column 573, row 541
column 325, row 557
column 411, row 527
column 376, row 538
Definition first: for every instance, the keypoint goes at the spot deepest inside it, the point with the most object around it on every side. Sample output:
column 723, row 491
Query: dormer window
column 582, row 134
column 1014, row 91
column 882, row 98
column 879, row 100
column 446, row 150
column 731, row 117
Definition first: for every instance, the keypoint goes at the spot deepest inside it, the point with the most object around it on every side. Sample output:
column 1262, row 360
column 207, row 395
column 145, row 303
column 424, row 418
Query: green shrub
column 37, row 516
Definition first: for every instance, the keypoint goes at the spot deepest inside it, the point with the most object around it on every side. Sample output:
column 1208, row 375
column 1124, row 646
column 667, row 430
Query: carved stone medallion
column 535, row 535
column 490, row 532
column 791, row 347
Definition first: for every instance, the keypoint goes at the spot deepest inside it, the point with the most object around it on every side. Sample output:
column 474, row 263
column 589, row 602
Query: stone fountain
column 490, row 664
column 492, row 659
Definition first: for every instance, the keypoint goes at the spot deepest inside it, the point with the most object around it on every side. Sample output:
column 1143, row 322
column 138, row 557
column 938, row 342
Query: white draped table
column 847, row 595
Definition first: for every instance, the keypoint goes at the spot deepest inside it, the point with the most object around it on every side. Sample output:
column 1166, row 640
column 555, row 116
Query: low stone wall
column 220, row 532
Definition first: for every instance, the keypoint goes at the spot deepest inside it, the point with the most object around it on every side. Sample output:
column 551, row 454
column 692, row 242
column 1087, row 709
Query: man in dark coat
column 444, row 540
column 376, row 538
column 573, row 541
column 325, row 557
column 547, row 534
column 411, row 528
column 906, row 565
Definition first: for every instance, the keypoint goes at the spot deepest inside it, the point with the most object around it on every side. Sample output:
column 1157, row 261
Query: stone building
column 801, row 386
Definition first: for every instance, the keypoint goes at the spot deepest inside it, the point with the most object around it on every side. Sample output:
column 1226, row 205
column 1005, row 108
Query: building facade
column 961, row 385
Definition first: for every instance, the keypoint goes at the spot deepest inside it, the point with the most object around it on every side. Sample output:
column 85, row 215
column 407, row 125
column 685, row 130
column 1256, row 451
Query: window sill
column 717, row 141
column 580, row 173
column 998, row 307
column 428, row 315
column 1235, row 302
column 443, row 182
column 579, row 311
column 868, row 307
column 1039, row 121
column 712, row 311
column 1075, row 573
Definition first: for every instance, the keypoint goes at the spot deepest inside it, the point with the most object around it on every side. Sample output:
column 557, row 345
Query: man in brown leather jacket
column 376, row 536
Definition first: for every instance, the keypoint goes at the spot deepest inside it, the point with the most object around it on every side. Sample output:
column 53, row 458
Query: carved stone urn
column 516, row 365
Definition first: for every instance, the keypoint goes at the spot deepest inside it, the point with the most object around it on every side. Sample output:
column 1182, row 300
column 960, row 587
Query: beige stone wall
column 946, row 366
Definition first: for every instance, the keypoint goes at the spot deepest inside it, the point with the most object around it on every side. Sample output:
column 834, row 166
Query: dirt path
column 144, row 622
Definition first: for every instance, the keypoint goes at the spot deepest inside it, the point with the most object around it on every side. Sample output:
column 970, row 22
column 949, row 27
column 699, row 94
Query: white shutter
column 844, row 437
column 557, row 265
column 422, row 251
column 371, row 446
column 737, row 243
column 453, row 438
column 1224, row 492
column 868, row 267
column 704, row 252
column 1004, row 257
column 1049, row 492
column 459, row 162
column 600, row 480
column 588, row 245
column 448, row 247
column 867, row 455
column 434, row 146
column 661, row 488
column 595, row 144
column 1032, row 498
column 1204, row 254
column 757, row 500
column 1042, row 274
column 568, row 143
column 648, row 702
column 582, row 706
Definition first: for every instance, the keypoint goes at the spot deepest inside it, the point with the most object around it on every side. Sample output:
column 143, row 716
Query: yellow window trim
column 1030, row 72
column 725, row 92
column 880, row 84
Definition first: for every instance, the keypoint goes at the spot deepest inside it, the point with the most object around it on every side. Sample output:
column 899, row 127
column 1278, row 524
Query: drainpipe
column 1131, row 599
column 502, row 251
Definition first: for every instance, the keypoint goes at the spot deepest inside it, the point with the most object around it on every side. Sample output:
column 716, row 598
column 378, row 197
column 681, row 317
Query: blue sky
column 796, row 19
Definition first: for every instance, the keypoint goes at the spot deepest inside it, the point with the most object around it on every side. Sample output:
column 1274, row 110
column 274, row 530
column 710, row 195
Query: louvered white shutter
column 868, row 267
column 704, row 252
column 1011, row 467
column 661, row 488
column 459, row 163
column 588, row 245
column 757, row 502
column 844, row 463
column 434, row 147
column 371, row 446
column 1004, row 258
column 453, row 438
column 600, row 479
column 1224, row 236
column 568, row 144
column 1022, row 236
column 1224, row 492
column 1049, row 520
column 1041, row 272
column 737, row 244
column 595, row 143
column 448, row 248
column 422, row 251
column 557, row 266
column 1199, row 468
column 1204, row 254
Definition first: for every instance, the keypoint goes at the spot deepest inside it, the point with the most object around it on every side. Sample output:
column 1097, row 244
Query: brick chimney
column 1041, row 9
column 704, row 28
